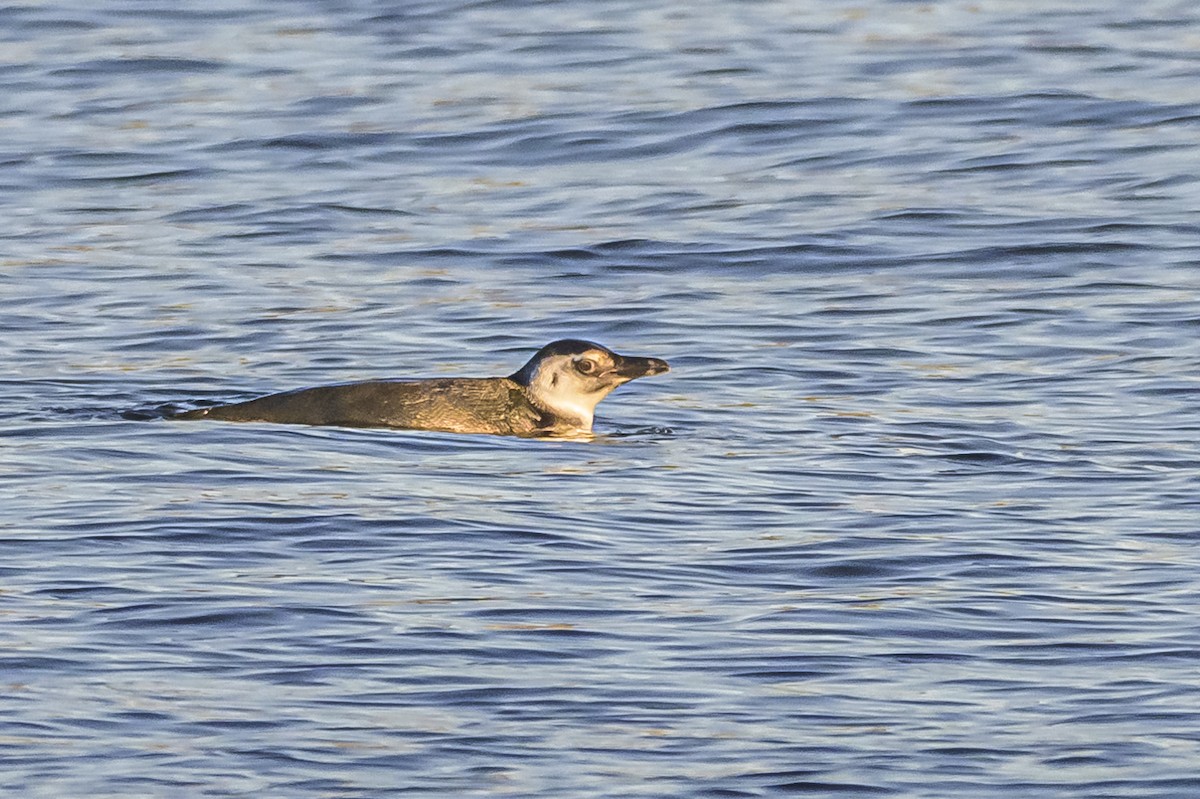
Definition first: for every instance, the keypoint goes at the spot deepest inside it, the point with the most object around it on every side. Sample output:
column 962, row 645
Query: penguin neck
column 567, row 412
column 561, row 412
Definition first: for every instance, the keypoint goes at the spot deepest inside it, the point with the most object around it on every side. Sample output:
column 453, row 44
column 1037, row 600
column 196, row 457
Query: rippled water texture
column 913, row 515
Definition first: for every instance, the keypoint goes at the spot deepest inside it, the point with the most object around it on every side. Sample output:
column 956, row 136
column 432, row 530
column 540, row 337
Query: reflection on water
column 912, row 514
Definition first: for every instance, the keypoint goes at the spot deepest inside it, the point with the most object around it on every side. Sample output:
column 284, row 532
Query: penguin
column 554, row 394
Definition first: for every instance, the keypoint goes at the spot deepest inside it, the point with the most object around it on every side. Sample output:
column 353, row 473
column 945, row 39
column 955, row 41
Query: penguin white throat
column 569, row 378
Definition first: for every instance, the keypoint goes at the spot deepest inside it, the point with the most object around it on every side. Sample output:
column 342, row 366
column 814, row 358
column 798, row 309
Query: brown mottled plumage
column 554, row 394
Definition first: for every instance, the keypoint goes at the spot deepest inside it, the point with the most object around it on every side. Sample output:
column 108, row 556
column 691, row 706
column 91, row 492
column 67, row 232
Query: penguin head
column 569, row 377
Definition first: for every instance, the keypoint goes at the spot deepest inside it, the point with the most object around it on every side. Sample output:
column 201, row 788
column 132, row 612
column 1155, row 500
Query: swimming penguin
column 555, row 394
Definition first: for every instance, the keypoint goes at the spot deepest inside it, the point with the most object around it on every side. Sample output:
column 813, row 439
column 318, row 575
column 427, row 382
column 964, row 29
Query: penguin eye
column 586, row 366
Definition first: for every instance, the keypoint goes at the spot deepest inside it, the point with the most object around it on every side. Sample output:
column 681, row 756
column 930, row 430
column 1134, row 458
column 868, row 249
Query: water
column 913, row 515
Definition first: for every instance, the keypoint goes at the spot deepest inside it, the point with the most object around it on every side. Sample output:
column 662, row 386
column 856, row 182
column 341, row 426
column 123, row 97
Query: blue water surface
column 913, row 515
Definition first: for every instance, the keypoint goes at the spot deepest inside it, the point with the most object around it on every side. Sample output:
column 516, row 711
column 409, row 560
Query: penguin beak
column 630, row 368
